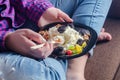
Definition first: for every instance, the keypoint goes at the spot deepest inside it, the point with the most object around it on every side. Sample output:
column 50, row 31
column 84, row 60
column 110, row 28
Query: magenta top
column 13, row 13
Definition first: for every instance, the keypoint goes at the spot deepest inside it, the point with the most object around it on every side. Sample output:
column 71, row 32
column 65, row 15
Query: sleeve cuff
column 37, row 8
column 3, row 47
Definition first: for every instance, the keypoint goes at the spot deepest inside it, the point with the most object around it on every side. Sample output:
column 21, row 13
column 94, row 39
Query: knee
column 19, row 68
column 16, row 67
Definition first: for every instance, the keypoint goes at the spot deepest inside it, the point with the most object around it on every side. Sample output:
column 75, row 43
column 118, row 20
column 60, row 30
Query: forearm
column 76, row 68
column 77, row 62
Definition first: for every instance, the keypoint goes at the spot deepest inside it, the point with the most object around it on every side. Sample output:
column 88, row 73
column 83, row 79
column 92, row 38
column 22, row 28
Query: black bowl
column 76, row 26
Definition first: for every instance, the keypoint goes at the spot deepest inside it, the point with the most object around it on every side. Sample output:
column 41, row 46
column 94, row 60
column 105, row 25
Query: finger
column 41, row 52
column 37, row 53
column 29, row 42
column 65, row 16
column 35, row 37
column 61, row 19
column 50, row 48
column 47, row 49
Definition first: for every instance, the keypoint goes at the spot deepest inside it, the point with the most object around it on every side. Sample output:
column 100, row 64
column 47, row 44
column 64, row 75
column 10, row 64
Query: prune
column 58, row 51
column 83, row 32
column 80, row 41
column 71, row 25
column 61, row 29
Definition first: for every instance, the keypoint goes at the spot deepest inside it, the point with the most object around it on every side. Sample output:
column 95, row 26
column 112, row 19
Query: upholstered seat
column 105, row 64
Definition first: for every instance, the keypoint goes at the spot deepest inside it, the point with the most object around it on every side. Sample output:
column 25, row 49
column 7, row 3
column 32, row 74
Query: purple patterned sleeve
column 4, row 28
column 33, row 9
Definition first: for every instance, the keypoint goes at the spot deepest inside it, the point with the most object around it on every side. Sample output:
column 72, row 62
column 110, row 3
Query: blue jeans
column 16, row 67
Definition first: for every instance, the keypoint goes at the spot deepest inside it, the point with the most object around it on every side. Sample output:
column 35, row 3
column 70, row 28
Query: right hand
column 21, row 40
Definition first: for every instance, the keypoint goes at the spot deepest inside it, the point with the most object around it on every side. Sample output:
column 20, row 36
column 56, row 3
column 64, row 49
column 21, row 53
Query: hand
column 53, row 15
column 21, row 40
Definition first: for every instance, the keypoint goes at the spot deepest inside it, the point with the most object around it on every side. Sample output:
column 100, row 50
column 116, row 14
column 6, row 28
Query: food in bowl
column 67, row 40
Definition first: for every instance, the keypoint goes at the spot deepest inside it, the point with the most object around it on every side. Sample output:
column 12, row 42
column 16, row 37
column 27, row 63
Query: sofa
column 105, row 63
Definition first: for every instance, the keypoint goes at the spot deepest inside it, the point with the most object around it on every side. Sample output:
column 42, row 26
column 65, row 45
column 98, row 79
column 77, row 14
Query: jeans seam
column 94, row 11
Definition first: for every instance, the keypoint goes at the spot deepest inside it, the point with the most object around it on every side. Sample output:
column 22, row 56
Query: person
column 19, row 22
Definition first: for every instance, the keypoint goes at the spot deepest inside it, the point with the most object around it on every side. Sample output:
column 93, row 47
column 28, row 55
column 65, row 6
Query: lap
column 16, row 67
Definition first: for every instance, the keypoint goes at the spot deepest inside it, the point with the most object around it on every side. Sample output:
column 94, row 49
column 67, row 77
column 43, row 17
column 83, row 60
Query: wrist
column 45, row 14
column 6, row 40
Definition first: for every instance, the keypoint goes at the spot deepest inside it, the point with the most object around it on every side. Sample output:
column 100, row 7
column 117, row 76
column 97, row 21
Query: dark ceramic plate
column 78, row 27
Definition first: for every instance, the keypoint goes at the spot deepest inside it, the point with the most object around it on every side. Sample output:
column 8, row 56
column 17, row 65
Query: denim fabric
column 16, row 67
column 91, row 13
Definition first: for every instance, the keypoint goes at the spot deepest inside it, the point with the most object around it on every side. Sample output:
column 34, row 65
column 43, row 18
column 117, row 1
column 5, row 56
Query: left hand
column 53, row 15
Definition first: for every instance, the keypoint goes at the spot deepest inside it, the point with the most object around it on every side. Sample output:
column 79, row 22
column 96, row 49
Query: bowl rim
column 91, row 43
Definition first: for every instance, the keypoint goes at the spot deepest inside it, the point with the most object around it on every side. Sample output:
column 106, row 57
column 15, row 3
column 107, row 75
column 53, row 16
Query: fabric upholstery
column 106, row 60
column 115, row 9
